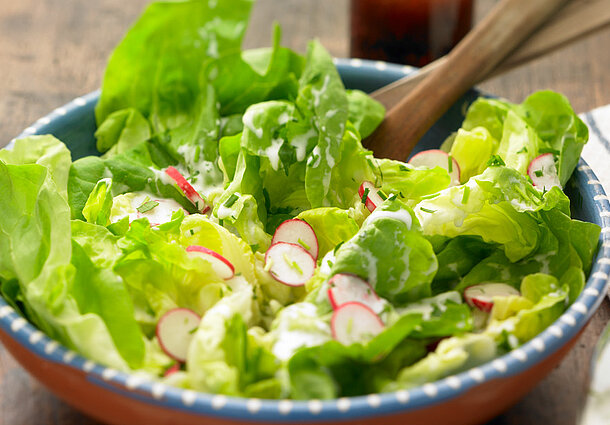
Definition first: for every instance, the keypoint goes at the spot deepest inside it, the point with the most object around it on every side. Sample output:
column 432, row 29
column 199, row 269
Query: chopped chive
column 330, row 263
column 197, row 152
column 147, row 206
column 538, row 173
column 221, row 222
column 192, row 232
column 431, row 196
column 229, row 202
column 268, row 265
column 392, row 197
column 192, row 331
column 427, row 210
column 220, row 293
column 254, row 247
column 350, row 325
column 521, row 192
column 365, row 195
column 338, row 246
column 449, row 163
column 402, row 167
column 522, row 150
column 292, row 264
column 466, row 194
column 495, row 161
column 303, row 244
column 382, row 194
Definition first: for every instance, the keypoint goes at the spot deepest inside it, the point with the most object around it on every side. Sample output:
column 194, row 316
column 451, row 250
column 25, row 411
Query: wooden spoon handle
column 575, row 20
column 508, row 24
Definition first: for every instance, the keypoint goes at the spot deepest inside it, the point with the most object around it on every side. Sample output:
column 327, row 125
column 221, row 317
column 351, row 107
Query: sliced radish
column 437, row 158
column 345, row 288
column 186, row 188
column 161, row 212
column 172, row 369
column 298, row 232
column 481, row 296
column 543, row 172
column 220, row 264
column 354, row 322
column 289, row 263
column 370, row 194
column 175, row 330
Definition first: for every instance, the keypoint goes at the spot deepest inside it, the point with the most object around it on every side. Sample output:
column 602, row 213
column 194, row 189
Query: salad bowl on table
column 471, row 397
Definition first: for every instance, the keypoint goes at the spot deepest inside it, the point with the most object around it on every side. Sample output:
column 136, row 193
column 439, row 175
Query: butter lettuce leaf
column 391, row 253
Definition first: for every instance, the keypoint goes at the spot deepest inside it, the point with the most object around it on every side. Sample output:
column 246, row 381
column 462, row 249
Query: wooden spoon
column 575, row 20
column 506, row 26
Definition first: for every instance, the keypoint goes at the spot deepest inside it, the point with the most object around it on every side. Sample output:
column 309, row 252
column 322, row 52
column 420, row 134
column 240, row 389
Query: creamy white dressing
column 283, row 118
column 204, row 172
column 315, row 158
column 298, row 326
column 331, row 113
column 300, row 143
column 273, row 153
column 327, row 262
column 161, row 176
column 426, row 306
column 400, row 215
column 330, row 159
column 404, row 276
column 248, row 120
column 317, row 94
column 127, row 206
column 224, row 212
column 289, row 341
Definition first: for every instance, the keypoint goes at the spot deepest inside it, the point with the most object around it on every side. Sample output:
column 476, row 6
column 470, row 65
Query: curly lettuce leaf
column 155, row 68
column 390, row 252
column 332, row 226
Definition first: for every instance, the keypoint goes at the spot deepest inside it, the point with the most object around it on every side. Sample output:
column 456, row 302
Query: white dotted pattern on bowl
column 189, row 397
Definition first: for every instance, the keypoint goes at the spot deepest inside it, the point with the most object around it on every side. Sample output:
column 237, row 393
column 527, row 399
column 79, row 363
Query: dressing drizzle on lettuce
column 267, row 135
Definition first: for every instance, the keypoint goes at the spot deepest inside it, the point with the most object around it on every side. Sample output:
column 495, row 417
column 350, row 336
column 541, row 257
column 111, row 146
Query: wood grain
column 482, row 49
column 54, row 50
column 576, row 20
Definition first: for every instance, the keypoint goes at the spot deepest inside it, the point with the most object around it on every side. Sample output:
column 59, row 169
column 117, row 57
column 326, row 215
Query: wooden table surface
column 54, row 50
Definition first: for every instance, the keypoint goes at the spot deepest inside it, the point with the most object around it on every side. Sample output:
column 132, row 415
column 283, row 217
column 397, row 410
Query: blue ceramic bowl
column 466, row 398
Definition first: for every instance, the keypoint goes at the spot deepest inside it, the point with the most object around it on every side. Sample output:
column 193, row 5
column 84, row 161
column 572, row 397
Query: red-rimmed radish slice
column 172, row 369
column 220, row 264
column 175, row 330
column 354, row 322
column 370, row 194
column 345, row 288
column 481, row 296
column 186, row 188
column 298, row 232
column 543, row 172
column 162, row 212
column 438, row 158
column 289, row 263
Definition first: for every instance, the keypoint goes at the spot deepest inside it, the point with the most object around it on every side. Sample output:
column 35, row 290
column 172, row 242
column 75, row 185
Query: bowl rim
column 137, row 387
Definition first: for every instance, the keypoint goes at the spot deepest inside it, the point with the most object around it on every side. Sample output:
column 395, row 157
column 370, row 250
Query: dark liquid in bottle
column 413, row 32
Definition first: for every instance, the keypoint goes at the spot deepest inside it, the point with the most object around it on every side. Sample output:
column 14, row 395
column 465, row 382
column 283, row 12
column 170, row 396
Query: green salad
column 235, row 237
